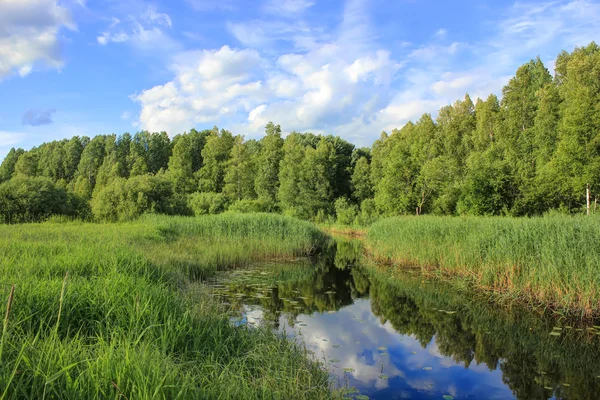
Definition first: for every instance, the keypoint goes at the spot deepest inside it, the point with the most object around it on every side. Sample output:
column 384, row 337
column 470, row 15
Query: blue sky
column 347, row 67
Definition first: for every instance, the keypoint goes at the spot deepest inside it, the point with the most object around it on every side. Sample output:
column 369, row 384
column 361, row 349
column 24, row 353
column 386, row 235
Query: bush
column 368, row 212
column 28, row 199
column 345, row 212
column 252, row 206
column 207, row 203
column 126, row 199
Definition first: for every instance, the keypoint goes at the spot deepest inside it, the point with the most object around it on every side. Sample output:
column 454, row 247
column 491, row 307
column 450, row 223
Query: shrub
column 345, row 212
column 207, row 203
column 29, row 199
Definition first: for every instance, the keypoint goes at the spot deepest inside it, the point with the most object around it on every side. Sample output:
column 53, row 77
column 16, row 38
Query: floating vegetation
column 361, row 397
column 334, row 360
column 348, row 369
column 383, row 377
column 427, row 368
column 382, row 348
column 448, row 397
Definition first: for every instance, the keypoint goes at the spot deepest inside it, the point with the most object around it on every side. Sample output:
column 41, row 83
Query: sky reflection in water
column 391, row 338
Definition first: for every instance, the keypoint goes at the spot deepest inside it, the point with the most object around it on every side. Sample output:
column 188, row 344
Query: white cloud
column 29, row 34
column 342, row 80
column 288, row 7
column 216, row 83
column 146, row 31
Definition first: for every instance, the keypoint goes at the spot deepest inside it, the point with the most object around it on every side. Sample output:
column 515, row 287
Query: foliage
column 207, row 203
column 535, row 149
column 34, row 199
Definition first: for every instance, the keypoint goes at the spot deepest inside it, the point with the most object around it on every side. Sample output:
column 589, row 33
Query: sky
column 351, row 68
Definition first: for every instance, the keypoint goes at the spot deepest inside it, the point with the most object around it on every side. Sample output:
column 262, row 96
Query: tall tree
column 267, row 179
column 289, row 174
column 239, row 172
column 215, row 155
column 7, row 168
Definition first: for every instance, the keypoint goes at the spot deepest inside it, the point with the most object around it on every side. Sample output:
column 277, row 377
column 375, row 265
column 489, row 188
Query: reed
column 549, row 262
column 134, row 321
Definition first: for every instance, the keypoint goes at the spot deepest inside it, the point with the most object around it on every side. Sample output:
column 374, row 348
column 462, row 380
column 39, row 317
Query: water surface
column 407, row 337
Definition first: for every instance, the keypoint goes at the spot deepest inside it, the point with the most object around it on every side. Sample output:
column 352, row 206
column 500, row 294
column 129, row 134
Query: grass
column 130, row 319
column 474, row 332
column 548, row 262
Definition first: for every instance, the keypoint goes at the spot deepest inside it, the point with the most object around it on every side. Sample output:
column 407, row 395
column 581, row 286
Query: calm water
column 409, row 338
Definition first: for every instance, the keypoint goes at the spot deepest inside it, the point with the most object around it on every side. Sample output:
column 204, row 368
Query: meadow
column 118, row 311
column 549, row 263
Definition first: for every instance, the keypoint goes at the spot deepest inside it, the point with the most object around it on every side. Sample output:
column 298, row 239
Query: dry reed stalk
column 8, row 306
column 60, row 301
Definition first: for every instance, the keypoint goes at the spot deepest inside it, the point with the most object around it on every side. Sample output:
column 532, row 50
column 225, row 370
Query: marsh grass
column 130, row 320
column 550, row 262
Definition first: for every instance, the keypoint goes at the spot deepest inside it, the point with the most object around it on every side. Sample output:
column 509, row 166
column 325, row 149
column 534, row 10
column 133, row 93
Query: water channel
column 405, row 337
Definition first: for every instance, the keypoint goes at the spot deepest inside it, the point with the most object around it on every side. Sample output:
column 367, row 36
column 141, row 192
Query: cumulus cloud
column 38, row 117
column 341, row 79
column 208, row 85
column 29, row 34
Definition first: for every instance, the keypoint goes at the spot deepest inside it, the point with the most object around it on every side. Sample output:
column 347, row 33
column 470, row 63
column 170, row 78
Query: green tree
column 289, row 174
column 315, row 195
column 271, row 154
column 181, row 165
column 7, row 168
column 240, row 172
column 211, row 177
column 361, row 180
column 27, row 164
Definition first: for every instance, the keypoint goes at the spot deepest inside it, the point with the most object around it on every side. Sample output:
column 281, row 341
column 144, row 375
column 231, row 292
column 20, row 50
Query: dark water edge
column 409, row 337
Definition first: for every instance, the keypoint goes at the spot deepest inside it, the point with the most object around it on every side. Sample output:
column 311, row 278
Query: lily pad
column 348, row 369
column 334, row 360
column 382, row 348
column 383, row 377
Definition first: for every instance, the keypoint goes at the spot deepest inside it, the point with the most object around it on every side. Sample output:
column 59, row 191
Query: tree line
column 534, row 150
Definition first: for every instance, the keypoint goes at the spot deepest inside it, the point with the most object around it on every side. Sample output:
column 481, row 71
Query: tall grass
column 549, row 261
column 130, row 321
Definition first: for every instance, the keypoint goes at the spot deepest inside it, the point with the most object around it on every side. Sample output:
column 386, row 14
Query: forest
column 532, row 151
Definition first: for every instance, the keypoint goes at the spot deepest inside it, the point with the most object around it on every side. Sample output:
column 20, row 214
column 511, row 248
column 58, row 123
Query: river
column 384, row 336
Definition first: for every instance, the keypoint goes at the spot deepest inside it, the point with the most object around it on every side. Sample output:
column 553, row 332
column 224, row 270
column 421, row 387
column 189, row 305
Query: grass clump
column 131, row 321
column 549, row 261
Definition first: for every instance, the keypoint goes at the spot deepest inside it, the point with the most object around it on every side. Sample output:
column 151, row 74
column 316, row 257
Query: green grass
column 131, row 319
column 552, row 262
column 474, row 332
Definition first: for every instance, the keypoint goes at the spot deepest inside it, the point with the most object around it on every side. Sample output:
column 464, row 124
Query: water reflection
column 409, row 338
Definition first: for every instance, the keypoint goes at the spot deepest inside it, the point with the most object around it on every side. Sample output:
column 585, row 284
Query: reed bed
column 131, row 321
column 550, row 262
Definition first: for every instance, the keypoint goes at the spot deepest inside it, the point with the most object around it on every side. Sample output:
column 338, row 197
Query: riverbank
column 547, row 263
column 116, row 310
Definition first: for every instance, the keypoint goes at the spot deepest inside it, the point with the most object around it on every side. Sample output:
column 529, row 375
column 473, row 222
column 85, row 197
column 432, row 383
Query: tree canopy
column 534, row 149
